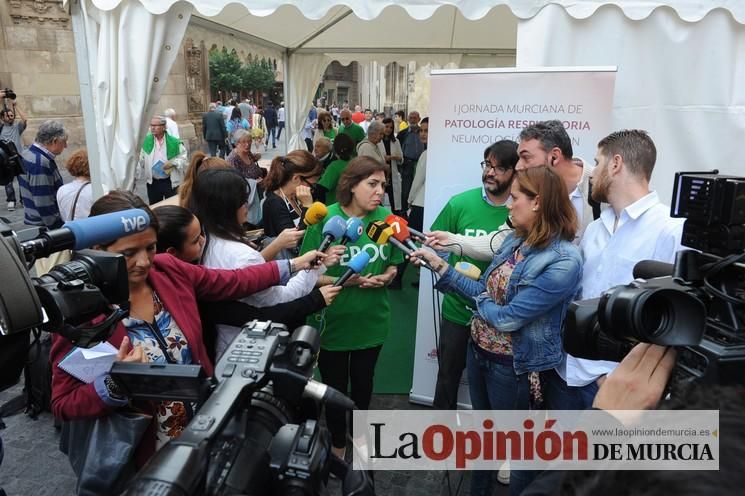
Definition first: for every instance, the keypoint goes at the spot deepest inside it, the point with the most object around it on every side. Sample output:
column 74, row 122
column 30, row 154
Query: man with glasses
column 350, row 128
column 476, row 212
column 162, row 161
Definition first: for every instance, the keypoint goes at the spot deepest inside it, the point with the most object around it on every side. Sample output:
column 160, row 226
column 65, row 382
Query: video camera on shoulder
column 697, row 304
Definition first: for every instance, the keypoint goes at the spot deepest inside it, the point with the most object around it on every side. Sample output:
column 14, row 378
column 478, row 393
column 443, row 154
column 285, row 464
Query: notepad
column 85, row 364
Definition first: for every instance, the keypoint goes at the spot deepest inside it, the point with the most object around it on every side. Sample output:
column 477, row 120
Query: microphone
column 355, row 266
column 400, row 230
column 315, row 214
column 334, row 229
column 84, row 233
column 469, row 270
column 382, row 233
column 328, row 395
column 353, row 232
column 649, row 269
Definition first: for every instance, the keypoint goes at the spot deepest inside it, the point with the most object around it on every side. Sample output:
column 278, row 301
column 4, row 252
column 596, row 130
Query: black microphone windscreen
column 649, row 269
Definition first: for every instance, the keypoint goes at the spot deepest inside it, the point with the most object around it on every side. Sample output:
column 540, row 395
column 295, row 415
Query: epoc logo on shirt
column 375, row 251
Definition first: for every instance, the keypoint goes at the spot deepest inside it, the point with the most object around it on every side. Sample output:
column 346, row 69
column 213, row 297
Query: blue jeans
column 560, row 396
column 495, row 386
column 272, row 131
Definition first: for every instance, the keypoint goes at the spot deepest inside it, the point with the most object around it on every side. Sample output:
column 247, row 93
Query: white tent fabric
column 681, row 81
column 127, row 69
column 120, row 37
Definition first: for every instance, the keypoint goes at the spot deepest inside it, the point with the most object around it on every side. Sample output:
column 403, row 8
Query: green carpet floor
column 393, row 373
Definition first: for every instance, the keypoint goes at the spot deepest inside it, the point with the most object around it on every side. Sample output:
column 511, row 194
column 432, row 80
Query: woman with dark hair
column 344, row 148
column 289, row 187
column 220, row 204
column 236, row 123
column 349, row 344
column 163, row 324
column 390, row 148
column 181, row 235
column 325, row 126
column 521, row 301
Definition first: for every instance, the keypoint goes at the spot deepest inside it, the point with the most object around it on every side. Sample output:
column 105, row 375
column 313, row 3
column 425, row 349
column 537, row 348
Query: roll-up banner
column 469, row 110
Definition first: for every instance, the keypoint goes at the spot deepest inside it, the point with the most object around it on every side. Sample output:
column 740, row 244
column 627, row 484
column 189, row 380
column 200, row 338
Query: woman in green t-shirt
column 354, row 328
column 326, row 186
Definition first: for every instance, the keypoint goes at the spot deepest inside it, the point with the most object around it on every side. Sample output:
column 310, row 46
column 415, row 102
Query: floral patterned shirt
column 172, row 415
column 484, row 335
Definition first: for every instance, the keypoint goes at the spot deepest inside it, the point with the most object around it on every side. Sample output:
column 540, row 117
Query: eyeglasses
column 498, row 169
column 305, row 180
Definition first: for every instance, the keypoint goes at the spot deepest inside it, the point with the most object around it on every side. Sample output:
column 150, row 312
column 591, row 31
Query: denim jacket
column 538, row 294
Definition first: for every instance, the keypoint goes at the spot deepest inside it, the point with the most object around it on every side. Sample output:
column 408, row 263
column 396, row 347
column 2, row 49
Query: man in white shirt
column 547, row 143
column 280, row 119
column 171, row 125
column 636, row 227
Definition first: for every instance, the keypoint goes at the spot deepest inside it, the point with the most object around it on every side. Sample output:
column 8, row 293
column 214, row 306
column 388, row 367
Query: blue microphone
column 353, row 232
column 355, row 266
column 334, row 229
column 84, row 233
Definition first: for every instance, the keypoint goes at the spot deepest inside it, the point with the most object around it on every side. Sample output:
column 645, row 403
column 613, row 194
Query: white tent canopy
column 126, row 48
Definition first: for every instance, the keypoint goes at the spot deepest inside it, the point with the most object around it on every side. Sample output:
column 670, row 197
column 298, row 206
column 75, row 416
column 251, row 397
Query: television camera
column 256, row 431
column 697, row 304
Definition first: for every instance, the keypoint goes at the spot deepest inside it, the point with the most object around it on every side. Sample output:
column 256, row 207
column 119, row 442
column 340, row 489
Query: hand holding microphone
column 355, row 266
column 289, row 238
column 382, row 233
column 310, row 260
column 428, row 258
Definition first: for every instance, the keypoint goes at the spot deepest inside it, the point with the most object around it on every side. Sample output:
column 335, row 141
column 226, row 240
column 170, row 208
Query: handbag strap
column 75, row 202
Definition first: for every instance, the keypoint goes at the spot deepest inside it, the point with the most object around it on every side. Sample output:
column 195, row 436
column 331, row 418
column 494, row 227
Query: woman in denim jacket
column 520, row 303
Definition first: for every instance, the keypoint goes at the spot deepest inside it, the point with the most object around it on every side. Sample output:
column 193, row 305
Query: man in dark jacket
column 214, row 131
column 270, row 116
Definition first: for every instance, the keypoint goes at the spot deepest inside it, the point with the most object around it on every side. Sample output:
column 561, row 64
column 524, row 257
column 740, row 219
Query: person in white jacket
column 220, row 204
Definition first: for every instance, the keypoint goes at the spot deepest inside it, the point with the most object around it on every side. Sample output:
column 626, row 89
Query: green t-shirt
column 330, row 178
column 469, row 214
column 358, row 318
column 330, row 134
column 353, row 130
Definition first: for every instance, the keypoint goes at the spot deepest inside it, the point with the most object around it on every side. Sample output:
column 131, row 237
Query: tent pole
column 289, row 128
column 86, row 96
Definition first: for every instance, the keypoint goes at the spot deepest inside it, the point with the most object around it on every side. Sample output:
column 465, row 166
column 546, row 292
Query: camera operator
column 638, row 383
column 12, row 125
column 636, row 227
column 163, row 324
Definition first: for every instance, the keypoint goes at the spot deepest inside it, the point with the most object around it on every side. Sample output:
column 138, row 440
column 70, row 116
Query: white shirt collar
column 633, row 211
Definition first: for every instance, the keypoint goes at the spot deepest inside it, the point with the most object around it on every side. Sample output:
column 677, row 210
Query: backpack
column 10, row 162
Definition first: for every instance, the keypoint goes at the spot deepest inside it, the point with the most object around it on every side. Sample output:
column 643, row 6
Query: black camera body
column 697, row 304
column 10, row 94
column 257, row 433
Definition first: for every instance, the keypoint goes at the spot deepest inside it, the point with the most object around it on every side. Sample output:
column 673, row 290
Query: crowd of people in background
column 575, row 230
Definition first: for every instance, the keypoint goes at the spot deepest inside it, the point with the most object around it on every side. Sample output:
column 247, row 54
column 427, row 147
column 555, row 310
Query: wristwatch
column 113, row 388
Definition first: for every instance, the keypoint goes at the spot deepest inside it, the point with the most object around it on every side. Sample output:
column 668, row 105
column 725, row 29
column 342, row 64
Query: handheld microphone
column 469, row 270
column 315, row 214
column 355, row 266
column 649, row 269
column 334, row 229
column 353, row 232
column 401, row 230
column 84, row 233
column 382, row 233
